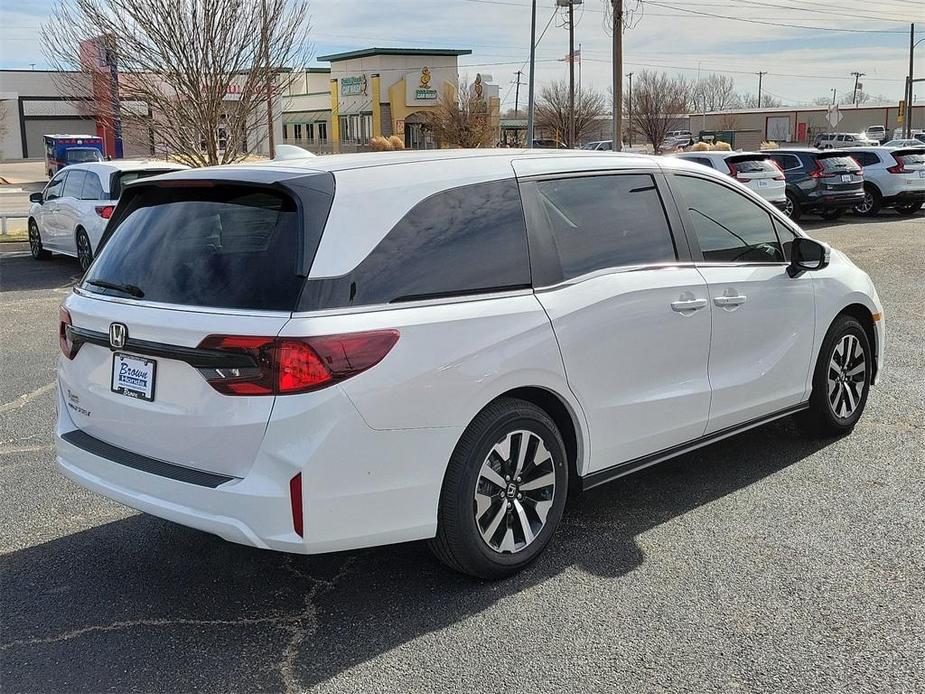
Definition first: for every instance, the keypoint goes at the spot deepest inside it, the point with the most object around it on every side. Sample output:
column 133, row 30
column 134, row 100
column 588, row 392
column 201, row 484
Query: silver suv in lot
column 346, row 351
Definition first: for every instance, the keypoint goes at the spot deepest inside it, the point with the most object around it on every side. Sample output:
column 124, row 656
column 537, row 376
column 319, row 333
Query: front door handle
column 724, row 301
column 688, row 305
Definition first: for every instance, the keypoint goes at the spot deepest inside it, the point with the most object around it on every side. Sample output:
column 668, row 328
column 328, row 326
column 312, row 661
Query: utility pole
column 617, row 75
column 907, row 126
column 630, row 130
column 517, row 94
column 530, row 88
column 571, row 73
column 760, row 75
column 834, row 92
column 857, row 76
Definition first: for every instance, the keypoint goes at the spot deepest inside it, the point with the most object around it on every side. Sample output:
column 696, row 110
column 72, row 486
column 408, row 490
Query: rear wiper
column 129, row 289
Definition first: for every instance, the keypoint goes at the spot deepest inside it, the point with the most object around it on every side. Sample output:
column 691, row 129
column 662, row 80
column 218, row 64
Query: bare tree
column 767, row 101
column 199, row 75
column 714, row 93
column 461, row 119
column 658, row 101
column 552, row 110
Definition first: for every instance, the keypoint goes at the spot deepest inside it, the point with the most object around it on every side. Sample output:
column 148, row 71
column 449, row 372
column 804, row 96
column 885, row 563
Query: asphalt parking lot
column 763, row 563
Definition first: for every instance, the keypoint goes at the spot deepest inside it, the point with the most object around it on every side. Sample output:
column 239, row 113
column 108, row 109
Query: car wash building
column 376, row 92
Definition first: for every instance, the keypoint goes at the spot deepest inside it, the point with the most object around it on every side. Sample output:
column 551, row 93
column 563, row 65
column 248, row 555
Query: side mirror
column 36, row 197
column 807, row 255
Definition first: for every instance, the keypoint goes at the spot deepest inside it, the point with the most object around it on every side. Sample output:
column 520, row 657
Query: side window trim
column 60, row 187
column 540, row 247
column 688, row 226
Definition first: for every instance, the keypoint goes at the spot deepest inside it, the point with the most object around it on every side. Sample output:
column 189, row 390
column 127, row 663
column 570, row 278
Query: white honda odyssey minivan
column 355, row 350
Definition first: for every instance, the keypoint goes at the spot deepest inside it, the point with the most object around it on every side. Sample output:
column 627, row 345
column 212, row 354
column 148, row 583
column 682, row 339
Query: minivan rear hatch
column 188, row 266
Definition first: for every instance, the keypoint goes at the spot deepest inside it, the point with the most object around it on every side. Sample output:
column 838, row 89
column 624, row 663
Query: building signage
column 353, row 86
column 424, row 91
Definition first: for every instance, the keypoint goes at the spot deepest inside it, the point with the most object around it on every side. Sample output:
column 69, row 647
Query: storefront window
column 356, row 128
column 322, row 133
column 297, row 131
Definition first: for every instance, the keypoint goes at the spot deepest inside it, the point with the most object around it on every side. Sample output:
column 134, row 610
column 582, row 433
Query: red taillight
column 288, row 365
column 733, row 170
column 819, row 171
column 105, row 211
column 897, row 168
column 64, row 335
column 779, row 168
column 295, row 499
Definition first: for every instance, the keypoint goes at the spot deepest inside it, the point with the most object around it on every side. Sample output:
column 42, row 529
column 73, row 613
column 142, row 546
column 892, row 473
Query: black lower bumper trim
column 136, row 461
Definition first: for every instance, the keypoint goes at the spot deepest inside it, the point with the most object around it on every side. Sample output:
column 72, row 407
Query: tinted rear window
column 753, row 165
column 908, row 158
column 838, row 163
column 227, row 246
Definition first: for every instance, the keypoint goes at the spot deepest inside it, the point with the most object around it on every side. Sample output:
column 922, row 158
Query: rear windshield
column 909, row 158
column 838, row 163
column 224, row 246
column 122, row 178
column 756, row 165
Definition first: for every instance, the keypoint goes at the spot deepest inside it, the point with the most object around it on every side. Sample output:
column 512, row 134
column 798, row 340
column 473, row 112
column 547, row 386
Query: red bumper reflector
column 295, row 498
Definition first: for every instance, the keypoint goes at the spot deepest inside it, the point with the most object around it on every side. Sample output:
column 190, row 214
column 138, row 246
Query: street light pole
column 530, row 88
column 630, row 129
column 571, row 73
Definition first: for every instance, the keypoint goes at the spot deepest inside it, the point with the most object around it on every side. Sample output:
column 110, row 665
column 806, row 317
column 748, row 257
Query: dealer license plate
column 133, row 376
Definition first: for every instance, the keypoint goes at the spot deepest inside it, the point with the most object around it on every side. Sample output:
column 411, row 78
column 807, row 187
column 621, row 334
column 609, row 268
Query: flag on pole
column 574, row 57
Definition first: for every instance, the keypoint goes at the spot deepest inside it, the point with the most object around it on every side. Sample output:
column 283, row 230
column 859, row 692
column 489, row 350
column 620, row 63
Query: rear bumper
column 836, row 201
column 360, row 487
column 906, row 196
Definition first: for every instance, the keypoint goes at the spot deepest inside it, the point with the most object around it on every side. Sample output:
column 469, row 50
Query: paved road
column 764, row 563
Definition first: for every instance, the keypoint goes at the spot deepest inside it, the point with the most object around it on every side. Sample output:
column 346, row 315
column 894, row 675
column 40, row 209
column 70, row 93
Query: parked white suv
column 843, row 140
column 753, row 169
column 70, row 214
column 356, row 350
column 892, row 178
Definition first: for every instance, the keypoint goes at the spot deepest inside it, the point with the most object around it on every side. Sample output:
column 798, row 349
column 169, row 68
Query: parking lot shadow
column 144, row 605
column 19, row 272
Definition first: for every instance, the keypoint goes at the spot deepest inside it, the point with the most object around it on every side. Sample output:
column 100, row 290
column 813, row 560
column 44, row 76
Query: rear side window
column 728, row 226
column 865, row 158
column 223, row 246
column 590, row 223
column 92, row 189
column 73, row 186
column 465, row 240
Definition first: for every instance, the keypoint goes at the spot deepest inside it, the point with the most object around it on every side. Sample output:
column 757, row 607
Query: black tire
column 831, row 215
column 792, row 209
column 909, row 208
column 35, row 242
column 872, row 202
column 84, row 249
column 459, row 542
column 823, row 418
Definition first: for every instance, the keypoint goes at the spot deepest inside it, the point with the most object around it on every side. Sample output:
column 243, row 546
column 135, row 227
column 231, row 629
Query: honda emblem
column 118, row 333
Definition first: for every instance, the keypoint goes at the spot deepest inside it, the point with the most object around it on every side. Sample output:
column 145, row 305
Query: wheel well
column 869, row 184
column 560, row 413
column 864, row 317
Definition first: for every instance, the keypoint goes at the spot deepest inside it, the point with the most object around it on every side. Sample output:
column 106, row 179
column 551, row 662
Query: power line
column 774, row 24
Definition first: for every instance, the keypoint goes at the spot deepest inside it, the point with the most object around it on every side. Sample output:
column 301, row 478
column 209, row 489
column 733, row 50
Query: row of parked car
column 830, row 182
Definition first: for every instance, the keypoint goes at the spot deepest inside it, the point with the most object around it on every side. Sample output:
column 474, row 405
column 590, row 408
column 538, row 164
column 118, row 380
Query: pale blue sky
column 802, row 63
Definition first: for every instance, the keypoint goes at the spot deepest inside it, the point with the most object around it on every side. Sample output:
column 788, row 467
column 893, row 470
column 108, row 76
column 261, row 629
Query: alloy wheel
column 84, row 254
column 847, row 376
column 866, row 205
column 788, row 207
column 35, row 241
column 514, row 492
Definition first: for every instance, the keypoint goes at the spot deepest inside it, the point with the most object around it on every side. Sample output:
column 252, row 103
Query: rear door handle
column 688, row 305
column 730, row 300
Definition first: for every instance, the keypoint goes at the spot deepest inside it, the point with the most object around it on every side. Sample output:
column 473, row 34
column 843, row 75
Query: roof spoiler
column 286, row 152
